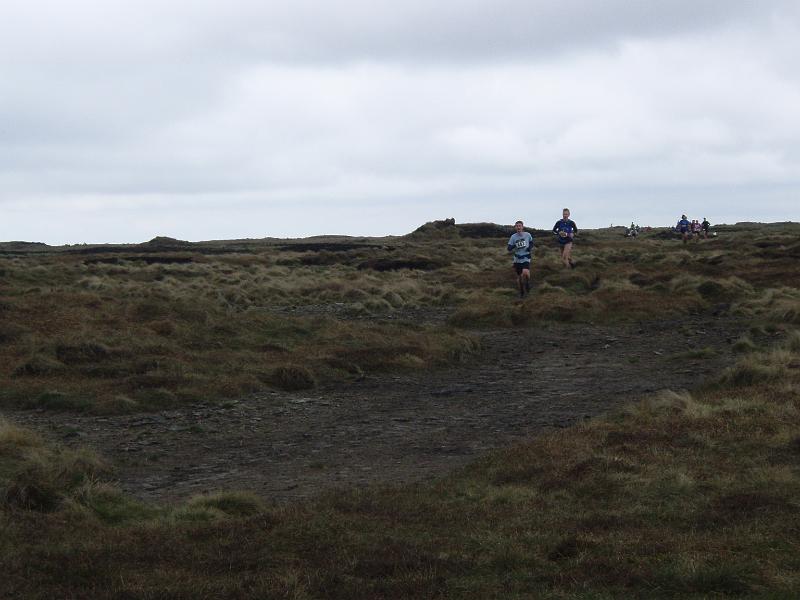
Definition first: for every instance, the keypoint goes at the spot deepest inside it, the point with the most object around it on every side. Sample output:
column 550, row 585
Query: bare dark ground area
column 400, row 427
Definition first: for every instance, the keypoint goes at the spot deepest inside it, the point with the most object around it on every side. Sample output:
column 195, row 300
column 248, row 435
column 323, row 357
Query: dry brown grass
column 121, row 331
column 112, row 334
column 35, row 476
column 684, row 494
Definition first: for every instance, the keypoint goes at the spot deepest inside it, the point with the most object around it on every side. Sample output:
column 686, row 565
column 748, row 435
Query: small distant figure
column 683, row 228
column 521, row 245
column 632, row 231
column 696, row 229
column 566, row 230
column 706, row 227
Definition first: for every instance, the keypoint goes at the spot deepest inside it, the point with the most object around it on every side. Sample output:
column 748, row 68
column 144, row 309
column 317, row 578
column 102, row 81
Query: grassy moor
column 349, row 418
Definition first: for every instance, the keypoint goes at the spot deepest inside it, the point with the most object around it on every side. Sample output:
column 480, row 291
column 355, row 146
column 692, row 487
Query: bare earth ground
column 397, row 428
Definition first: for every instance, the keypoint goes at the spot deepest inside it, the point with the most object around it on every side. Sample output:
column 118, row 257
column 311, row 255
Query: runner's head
column 565, row 213
column 519, row 226
column 683, row 216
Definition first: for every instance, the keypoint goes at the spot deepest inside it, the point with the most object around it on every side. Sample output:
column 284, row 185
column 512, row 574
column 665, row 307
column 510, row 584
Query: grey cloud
column 353, row 30
column 482, row 31
column 202, row 115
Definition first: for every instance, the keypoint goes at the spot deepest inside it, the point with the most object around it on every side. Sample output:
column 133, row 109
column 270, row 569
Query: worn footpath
column 398, row 427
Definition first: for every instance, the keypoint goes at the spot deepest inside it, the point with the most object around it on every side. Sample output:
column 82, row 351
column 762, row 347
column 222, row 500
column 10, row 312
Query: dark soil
column 399, row 427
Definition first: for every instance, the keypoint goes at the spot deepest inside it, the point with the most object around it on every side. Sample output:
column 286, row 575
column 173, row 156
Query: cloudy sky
column 123, row 120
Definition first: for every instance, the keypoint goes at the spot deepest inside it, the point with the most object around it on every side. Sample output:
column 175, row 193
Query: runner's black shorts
column 519, row 267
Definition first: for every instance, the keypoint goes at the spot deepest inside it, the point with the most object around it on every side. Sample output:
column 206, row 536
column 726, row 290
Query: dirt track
column 397, row 428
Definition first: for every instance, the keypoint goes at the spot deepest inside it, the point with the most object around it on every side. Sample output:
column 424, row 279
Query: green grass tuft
column 292, row 377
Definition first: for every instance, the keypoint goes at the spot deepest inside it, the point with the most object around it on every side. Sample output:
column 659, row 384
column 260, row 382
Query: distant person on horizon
column 696, row 229
column 683, row 227
column 521, row 245
column 706, row 226
column 565, row 230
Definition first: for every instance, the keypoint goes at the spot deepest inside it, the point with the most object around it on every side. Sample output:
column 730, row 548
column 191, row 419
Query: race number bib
column 522, row 244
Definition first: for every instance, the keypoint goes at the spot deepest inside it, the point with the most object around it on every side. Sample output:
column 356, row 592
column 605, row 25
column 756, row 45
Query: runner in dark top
column 566, row 230
column 706, row 226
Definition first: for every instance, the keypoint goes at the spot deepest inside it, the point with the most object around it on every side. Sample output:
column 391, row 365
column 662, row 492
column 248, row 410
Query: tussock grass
column 792, row 342
column 760, row 367
column 34, row 476
column 292, row 377
column 125, row 331
column 611, row 301
column 772, row 305
column 152, row 336
column 96, row 500
column 15, row 439
column 744, row 344
column 224, row 505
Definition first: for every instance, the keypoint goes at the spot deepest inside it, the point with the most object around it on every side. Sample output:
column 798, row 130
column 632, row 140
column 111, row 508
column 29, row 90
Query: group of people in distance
column 694, row 229
column 520, row 244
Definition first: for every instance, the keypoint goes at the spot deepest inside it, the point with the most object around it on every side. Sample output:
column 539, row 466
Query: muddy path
column 400, row 427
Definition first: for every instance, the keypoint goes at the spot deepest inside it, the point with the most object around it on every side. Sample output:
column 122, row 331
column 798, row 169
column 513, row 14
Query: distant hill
column 470, row 230
column 445, row 228
column 23, row 246
column 751, row 226
column 164, row 241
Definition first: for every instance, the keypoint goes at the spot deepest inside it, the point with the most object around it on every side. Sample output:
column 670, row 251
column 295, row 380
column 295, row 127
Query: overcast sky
column 123, row 120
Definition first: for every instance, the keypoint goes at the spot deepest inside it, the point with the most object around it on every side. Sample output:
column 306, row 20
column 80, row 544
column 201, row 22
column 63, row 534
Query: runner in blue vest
column 521, row 245
column 683, row 227
column 566, row 230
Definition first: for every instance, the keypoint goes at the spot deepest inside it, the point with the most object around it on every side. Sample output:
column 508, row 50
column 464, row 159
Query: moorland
column 346, row 417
